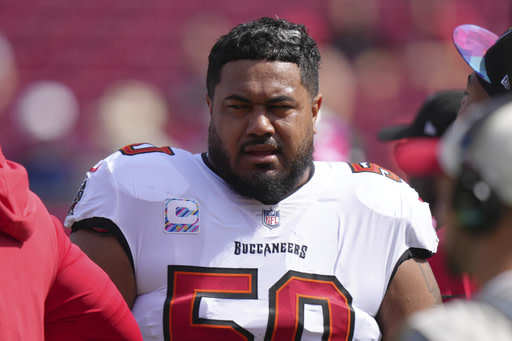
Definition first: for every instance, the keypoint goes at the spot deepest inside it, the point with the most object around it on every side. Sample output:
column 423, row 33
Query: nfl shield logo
column 271, row 218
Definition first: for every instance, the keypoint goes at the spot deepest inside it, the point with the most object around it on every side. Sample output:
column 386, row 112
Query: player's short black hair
column 266, row 39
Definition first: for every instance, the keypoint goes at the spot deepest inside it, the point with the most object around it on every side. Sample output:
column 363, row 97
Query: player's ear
column 209, row 101
column 315, row 109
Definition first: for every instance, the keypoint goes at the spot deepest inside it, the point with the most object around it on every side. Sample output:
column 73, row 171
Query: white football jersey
column 213, row 265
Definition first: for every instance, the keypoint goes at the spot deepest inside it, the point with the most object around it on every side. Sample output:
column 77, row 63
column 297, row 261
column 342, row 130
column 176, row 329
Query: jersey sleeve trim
column 104, row 227
column 412, row 252
column 421, row 253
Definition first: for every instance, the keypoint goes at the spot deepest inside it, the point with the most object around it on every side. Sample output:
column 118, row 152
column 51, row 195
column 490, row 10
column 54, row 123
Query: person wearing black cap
column 415, row 153
column 416, row 143
column 490, row 57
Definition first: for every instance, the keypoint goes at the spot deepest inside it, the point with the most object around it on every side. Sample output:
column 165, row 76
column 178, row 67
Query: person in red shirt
column 415, row 153
column 49, row 288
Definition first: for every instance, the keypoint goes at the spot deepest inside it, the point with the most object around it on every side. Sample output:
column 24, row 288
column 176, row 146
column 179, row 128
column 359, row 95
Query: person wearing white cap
column 475, row 156
column 490, row 57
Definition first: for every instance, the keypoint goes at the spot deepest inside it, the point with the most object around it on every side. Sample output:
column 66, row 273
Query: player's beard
column 263, row 186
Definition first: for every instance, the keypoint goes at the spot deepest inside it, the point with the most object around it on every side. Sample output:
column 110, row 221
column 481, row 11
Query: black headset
column 476, row 205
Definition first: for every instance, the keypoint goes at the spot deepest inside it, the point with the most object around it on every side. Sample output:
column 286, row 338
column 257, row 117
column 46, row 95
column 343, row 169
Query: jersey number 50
column 287, row 298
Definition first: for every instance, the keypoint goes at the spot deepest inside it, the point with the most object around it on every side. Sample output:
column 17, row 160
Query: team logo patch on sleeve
column 271, row 218
column 181, row 216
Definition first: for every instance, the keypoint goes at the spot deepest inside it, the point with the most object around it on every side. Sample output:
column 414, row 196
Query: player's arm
column 107, row 252
column 412, row 288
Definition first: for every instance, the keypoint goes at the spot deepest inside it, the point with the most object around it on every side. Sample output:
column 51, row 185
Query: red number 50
column 288, row 297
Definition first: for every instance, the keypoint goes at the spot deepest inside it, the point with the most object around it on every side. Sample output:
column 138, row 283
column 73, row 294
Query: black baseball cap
column 435, row 115
column 488, row 55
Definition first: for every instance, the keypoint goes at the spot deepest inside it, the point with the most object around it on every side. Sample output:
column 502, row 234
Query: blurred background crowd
column 81, row 78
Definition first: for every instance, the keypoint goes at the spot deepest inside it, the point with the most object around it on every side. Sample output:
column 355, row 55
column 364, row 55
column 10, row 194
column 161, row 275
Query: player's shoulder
column 145, row 155
column 358, row 172
column 140, row 171
column 143, row 161
column 367, row 181
column 142, row 152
